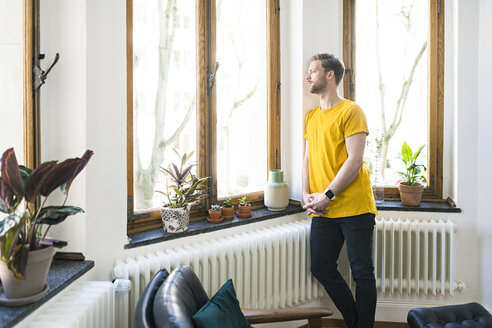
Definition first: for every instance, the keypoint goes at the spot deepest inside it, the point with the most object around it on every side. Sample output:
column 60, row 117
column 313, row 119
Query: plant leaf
column 8, row 223
column 82, row 164
column 57, row 214
column 6, row 195
column 59, row 175
column 18, row 260
column 11, row 172
column 36, row 180
column 406, row 152
column 417, row 153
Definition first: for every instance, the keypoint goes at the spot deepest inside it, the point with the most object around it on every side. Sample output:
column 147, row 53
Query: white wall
column 484, row 74
column 91, row 38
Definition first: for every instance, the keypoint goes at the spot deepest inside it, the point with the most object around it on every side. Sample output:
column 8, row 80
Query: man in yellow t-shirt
column 337, row 192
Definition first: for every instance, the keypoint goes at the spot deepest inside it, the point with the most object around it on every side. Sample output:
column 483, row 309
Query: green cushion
column 222, row 310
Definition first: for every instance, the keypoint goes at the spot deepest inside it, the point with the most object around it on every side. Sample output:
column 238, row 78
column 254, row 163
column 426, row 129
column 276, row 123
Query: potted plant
column 244, row 208
column 228, row 209
column 26, row 252
column 185, row 189
column 410, row 186
column 215, row 214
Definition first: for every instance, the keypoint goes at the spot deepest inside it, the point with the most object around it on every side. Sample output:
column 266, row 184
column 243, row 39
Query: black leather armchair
column 169, row 301
column 471, row 315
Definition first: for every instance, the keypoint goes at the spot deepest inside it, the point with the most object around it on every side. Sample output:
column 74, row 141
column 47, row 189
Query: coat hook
column 40, row 75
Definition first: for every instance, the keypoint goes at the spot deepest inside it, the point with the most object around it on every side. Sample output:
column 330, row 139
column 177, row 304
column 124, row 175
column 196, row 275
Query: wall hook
column 40, row 75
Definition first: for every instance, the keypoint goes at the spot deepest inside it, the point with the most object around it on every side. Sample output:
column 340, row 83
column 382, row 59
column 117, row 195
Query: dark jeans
column 327, row 237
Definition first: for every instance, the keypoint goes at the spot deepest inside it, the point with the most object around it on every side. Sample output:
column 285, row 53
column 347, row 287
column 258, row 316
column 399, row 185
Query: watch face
column 330, row 194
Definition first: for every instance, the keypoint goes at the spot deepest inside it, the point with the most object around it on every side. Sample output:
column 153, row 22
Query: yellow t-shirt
column 325, row 132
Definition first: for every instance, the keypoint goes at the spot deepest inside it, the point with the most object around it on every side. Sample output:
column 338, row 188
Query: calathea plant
column 22, row 216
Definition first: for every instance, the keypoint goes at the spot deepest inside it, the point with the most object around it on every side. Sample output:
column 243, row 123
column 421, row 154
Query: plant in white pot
column 185, row 189
column 410, row 187
column 26, row 252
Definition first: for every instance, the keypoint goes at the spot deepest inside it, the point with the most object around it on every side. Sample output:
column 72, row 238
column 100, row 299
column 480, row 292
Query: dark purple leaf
column 59, row 175
column 18, row 260
column 6, row 195
column 11, row 173
column 35, row 181
column 83, row 163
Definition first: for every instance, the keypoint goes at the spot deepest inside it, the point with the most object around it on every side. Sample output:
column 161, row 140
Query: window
column 208, row 84
column 394, row 55
column 16, row 95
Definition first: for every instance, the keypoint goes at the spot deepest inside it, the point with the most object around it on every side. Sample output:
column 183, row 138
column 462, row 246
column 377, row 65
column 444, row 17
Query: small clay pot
column 215, row 216
column 228, row 212
column 244, row 211
column 410, row 195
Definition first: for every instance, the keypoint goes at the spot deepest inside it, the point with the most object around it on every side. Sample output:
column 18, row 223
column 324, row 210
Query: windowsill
column 60, row 276
column 394, row 205
column 197, row 227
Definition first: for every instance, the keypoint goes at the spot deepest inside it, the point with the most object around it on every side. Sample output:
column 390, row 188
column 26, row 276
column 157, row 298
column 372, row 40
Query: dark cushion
column 222, row 310
column 179, row 297
column 144, row 311
column 469, row 315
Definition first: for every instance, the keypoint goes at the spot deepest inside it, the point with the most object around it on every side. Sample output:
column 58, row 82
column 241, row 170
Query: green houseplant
column 411, row 187
column 182, row 189
column 244, row 208
column 228, row 209
column 26, row 252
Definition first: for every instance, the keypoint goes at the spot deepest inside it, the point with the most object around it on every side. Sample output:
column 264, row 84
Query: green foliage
column 243, row 201
column 185, row 187
column 21, row 185
column 215, row 207
column 228, row 203
column 414, row 172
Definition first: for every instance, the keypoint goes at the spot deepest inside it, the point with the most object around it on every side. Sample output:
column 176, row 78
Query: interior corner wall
column 106, row 191
column 63, row 104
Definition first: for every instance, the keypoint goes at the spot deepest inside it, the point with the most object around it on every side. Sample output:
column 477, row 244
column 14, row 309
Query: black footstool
column 471, row 315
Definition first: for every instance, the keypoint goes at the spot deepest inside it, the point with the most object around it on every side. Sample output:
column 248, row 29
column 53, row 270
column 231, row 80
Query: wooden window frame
column 31, row 118
column 433, row 192
column 206, row 113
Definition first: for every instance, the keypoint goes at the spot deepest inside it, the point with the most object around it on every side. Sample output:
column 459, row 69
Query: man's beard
column 317, row 88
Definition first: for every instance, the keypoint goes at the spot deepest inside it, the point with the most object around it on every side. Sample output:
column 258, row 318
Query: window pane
column 241, row 97
column 164, row 79
column 11, row 78
column 391, row 79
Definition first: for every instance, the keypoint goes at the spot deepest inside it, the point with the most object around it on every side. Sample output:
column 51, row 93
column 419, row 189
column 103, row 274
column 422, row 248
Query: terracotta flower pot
column 37, row 267
column 175, row 220
column 215, row 216
column 244, row 211
column 228, row 212
column 410, row 195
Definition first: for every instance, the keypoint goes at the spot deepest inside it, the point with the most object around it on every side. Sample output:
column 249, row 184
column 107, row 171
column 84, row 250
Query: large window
column 394, row 57
column 203, row 76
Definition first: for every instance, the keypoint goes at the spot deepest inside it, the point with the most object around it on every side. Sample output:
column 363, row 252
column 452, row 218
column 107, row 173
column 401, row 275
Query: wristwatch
column 330, row 194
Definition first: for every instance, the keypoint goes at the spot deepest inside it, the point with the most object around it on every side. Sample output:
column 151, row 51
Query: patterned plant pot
column 175, row 220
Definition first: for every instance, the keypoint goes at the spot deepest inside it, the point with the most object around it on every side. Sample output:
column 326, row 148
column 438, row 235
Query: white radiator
column 90, row 304
column 269, row 268
column 414, row 256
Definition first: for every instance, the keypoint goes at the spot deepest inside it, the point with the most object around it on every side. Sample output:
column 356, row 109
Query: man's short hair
column 329, row 63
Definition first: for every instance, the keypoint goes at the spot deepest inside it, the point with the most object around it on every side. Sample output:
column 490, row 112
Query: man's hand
column 316, row 203
column 307, row 198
